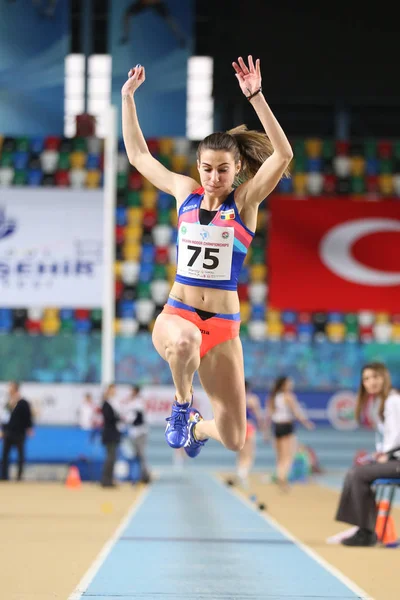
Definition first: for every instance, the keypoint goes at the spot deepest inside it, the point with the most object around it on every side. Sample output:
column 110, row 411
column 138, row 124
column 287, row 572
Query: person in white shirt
column 137, row 430
column 86, row 413
column 283, row 410
column 357, row 504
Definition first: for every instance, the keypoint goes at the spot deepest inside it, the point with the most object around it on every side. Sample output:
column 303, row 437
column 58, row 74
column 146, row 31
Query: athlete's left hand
column 249, row 78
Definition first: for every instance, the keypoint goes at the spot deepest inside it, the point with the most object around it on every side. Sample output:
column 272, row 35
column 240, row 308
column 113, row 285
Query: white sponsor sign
column 51, row 247
column 59, row 404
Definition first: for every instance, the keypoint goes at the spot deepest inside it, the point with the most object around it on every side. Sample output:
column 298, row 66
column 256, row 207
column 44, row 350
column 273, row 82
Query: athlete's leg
column 178, row 342
column 221, row 373
column 287, row 451
column 245, row 459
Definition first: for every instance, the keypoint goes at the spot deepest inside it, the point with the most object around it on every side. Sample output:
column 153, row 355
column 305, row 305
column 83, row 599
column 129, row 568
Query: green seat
column 386, row 167
column 63, row 161
column 96, row 315
column 298, row 164
column 357, row 185
column 299, row 149
column 244, row 329
column 122, row 181
column 259, row 242
column 79, row 144
column 160, row 272
column 133, row 198
column 22, row 144
column 258, row 256
column 163, row 217
column 67, row 326
column 328, row 149
column 351, row 324
column 6, row 159
column 143, row 290
column 396, row 150
column 20, row 177
column 165, row 160
column 370, row 148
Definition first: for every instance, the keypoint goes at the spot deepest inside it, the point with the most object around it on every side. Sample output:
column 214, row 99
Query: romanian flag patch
column 228, row 215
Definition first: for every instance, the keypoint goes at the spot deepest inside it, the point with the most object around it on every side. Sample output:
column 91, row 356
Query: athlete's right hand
column 136, row 77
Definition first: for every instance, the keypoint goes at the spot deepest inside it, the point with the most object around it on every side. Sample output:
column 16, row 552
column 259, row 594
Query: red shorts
column 214, row 330
column 250, row 430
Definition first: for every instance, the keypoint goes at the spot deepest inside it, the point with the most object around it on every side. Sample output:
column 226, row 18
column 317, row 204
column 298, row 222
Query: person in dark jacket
column 110, row 436
column 20, row 424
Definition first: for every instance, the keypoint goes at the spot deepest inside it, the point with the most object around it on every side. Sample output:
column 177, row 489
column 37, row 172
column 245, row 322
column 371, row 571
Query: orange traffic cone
column 386, row 535
column 73, row 480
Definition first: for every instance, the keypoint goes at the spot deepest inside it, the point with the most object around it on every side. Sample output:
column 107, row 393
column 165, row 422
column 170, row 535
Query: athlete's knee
column 235, row 440
column 186, row 345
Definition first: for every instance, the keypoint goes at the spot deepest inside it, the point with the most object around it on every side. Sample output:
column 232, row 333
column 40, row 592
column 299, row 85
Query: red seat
column 290, row 330
column 162, row 255
column 33, row 327
column 135, row 181
column 120, row 234
column 329, row 186
column 384, row 149
column 61, row 178
column 243, row 292
column 372, row 183
column 153, row 146
column 82, row 313
column 149, row 218
column 342, row 148
column 304, row 318
column 52, row 142
column 119, row 288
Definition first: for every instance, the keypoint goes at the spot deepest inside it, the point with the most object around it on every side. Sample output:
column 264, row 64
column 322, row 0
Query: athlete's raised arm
column 138, row 153
column 274, row 167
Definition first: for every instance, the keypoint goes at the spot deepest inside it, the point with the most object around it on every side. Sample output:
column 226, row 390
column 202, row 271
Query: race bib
column 205, row 252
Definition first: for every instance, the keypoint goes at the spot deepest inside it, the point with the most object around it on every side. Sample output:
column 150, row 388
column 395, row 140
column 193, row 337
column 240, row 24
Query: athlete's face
column 372, row 381
column 217, row 171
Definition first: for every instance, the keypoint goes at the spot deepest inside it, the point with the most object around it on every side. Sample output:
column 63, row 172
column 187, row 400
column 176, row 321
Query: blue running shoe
column 193, row 446
column 176, row 430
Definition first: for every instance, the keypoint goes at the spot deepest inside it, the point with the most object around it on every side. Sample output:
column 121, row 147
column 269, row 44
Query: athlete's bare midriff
column 210, row 299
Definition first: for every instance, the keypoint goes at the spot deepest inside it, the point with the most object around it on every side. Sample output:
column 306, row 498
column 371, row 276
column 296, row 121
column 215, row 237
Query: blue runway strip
column 193, row 539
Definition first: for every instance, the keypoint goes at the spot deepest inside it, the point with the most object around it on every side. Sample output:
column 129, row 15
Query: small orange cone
column 73, row 480
column 390, row 537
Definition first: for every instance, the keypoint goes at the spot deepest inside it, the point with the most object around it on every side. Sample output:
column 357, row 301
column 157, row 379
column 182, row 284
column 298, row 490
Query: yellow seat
column 50, row 326
column 258, row 273
column 147, row 185
column 148, row 198
column 357, row 166
column 151, row 325
column 273, row 316
column 313, row 147
column 300, row 183
column 173, row 216
column 396, row 332
column 133, row 234
column 194, row 172
column 274, row 329
column 386, row 184
column 166, row 146
column 245, row 311
column 118, row 269
column 135, row 215
column 382, row 317
column 50, row 313
column 1, row 141
column 171, row 272
column 117, row 326
column 247, row 258
column 261, row 220
column 77, row 159
column 179, row 163
column 131, row 251
column 335, row 331
column 93, row 178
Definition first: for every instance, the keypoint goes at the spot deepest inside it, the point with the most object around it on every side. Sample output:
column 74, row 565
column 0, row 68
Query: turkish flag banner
column 334, row 255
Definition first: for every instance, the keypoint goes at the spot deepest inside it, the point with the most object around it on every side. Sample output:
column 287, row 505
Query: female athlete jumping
column 199, row 326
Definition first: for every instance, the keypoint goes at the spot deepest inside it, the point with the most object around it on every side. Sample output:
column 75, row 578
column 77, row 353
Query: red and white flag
column 327, row 255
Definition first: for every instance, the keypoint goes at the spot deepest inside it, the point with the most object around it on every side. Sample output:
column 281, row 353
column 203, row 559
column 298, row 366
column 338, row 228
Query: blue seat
column 6, row 320
column 126, row 309
column 37, row 145
column 83, row 325
column 165, row 201
column 21, row 159
column 148, row 253
column 288, row 317
column 244, row 276
column 305, row 330
column 93, row 161
column 372, row 166
column 120, row 216
column 121, row 145
column 335, row 317
column 314, row 165
column 35, row 177
column 146, row 272
column 66, row 314
column 380, row 485
column 285, row 186
column 258, row 312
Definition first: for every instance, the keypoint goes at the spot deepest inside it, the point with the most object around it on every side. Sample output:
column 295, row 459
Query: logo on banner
column 336, row 245
column 7, row 226
column 341, row 411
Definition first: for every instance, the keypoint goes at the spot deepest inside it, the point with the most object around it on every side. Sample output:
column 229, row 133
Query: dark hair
column 15, row 385
column 250, row 147
column 136, row 389
column 276, row 388
column 106, row 392
column 362, row 395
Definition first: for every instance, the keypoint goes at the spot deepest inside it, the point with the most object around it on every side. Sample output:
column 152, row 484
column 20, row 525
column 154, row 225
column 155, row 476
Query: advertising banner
column 328, row 255
column 51, row 245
